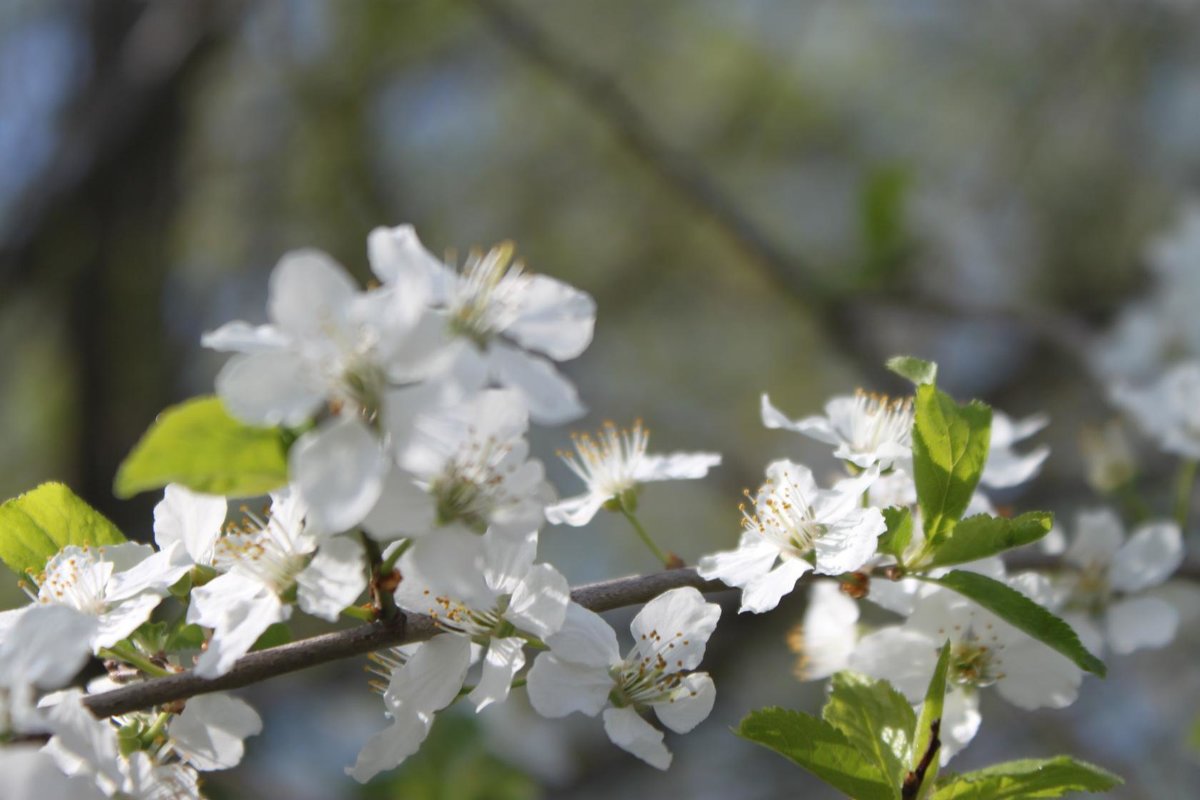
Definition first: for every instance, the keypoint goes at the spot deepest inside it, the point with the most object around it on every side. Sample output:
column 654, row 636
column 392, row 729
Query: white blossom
column 794, row 520
column 584, row 671
column 497, row 321
column 263, row 565
column 867, row 429
column 41, row 647
column 616, row 462
column 1104, row 598
column 828, row 634
column 1167, row 410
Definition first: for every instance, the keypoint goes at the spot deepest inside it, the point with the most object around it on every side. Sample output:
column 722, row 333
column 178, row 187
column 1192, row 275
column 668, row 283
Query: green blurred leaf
column 188, row 636
column 983, row 535
column 197, row 444
column 950, row 447
column 273, row 636
column 1028, row 778
column 882, row 203
column 876, row 719
column 453, row 764
column 39, row 523
column 931, row 712
column 1021, row 612
column 821, row 749
column 914, row 369
column 896, row 538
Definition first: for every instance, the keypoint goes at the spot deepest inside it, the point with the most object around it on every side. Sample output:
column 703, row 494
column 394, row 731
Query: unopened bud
column 1108, row 457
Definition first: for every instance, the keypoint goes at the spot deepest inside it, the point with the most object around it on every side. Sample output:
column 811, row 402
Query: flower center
column 76, row 578
column 877, row 419
column 1091, row 592
column 473, row 484
column 973, row 663
column 608, row 462
column 485, row 297
column 785, row 518
column 480, row 626
column 260, row 548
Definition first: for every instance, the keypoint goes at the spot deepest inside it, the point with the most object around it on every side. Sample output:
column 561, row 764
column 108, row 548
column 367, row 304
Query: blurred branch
column 256, row 667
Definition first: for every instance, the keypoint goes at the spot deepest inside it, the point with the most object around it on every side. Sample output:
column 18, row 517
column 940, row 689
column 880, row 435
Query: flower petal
column 627, row 730
column 1140, row 623
column 504, row 657
column 752, row 559
column 764, row 592
column 552, row 399
column 190, row 518
column 308, row 293
column 1037, row 677
column 399, row 259
column 1150, row 556
column 209, row 733
column 849, row 544
column 558, row 687
column 339, row 469
column 675, row 466
column 404, row 509
column 585, row 638
column 390, row 747
column 539, row 603
column 334, row 579
column 690, row 703
column 1098, row 536
column 553, row 318
column 241, row 337
column 576, row 511
column 675, row 627
column 238, row 609
column 269, row 388
column 432, row 677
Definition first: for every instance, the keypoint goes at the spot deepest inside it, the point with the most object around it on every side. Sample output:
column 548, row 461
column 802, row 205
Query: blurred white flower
column 792, row 521
column 825, row 639
column 614, row 463
column 1103, row 597
column 866, row 428
column 1167, row 410
column 584, row 671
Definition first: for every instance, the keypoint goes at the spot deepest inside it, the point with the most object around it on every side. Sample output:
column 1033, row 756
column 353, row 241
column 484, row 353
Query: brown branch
column 256, row 667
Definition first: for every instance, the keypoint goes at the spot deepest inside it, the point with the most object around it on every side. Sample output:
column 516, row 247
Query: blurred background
column 762, row 196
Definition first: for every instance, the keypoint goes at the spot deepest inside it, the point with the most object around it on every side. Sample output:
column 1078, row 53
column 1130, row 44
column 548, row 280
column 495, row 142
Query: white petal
column 675, row 466
column 269, row 388
column 398, row 258
column 504, row 658
column 558, row 687
column 815, row 427
column 46, row 646
column 1150, row 556
column 1140, row 623
column 902, row 656
column 241, row 337
column 390, row 747
column 1086, row 629
column 1098, row 536
column 334, row 579
column 552, row 399
column 585, row 638
column 960, row 722
column 238, row 610
column 830, row 630
column 190, row 518
column 124, row 618
column 690, row 703
column 630, row 732
column 1037, row 677
column 1007, row 467
column 764, row 592
column 446, row 563
column 847, row 545
column 308, row 293
column 155, row 574
column 576, row 511
column 554, row 318
column 539, row 603
column 432, row 677
column 753, row 558
column 31, row 774
column 82, row 744
column 339, row 469
column 404, row 509
column 675, row 626
column 209, row 733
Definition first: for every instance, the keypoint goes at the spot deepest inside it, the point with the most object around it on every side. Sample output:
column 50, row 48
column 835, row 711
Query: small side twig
column 914, row 779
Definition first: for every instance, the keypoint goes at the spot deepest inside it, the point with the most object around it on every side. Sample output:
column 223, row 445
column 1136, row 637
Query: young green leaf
column 950, row 447
column 896, row 538
column 983, row 535
column 925, row 736
column 1021, row 612
column 876, row 719
column 821, row 749
column 39, row 523
column 913, row 369
column 1029, row 778
column 199, row 445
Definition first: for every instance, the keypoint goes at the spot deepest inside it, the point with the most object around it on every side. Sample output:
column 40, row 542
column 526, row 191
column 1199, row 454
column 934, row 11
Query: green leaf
column 931, row 713
column 39, row 523
column 876, row 719
column 1021, row 612
column 197, row 444
column 913, row 369
column 983, row 535
column 820, row 748
column 950, row 447
column 896, row 538
column 273, row 636
column 1029, row 778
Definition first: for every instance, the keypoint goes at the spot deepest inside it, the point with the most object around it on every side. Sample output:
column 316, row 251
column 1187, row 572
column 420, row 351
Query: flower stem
column 389, row 563
column 645, row 537
column 156, row 729
column 122, row 652
column 1134, row 504
column 358, row 612
column 1185, row 483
